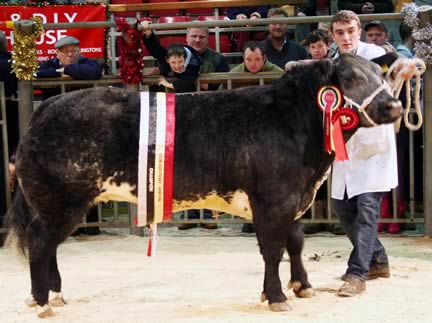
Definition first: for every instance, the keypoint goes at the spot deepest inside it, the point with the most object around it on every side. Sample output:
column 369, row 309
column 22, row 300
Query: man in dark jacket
column 366, row 7
column 69, row 62
column 279, row 49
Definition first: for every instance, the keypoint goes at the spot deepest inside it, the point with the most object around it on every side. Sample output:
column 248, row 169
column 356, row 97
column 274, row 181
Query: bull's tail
column 17, row 220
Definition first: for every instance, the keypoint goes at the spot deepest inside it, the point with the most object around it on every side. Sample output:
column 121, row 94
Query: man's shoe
column 187, row 226
column 353, row 286
column 375, row 271
column 209, row 226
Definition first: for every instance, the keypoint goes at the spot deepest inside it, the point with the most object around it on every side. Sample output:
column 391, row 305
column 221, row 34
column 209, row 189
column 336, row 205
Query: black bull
column 256, row 151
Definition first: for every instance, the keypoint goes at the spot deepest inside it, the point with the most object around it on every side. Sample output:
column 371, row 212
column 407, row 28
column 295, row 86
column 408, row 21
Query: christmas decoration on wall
column 131, row 52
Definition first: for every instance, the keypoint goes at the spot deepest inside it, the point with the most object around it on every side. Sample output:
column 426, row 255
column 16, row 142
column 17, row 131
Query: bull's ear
column 385, row 61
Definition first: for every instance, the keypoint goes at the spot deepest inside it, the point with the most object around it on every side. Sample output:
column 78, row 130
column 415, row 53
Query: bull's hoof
column 263, row 297
column 299, row 291
column 280, row 307
column 44, row 311
column 30, row 301
column 57, row 300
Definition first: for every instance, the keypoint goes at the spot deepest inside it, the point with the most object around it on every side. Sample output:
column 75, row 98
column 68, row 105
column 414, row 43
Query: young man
column 279, row 49
column 357, row 184
column 255, row 60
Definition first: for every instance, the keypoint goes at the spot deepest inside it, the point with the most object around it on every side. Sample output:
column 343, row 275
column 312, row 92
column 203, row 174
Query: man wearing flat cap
column 69, row 62
column 376, row 33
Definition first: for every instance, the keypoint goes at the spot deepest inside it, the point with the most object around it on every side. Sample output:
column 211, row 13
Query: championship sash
column 156, row 158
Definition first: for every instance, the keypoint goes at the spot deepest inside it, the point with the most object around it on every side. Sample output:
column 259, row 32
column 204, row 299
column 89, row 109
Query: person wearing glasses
column 69, row 62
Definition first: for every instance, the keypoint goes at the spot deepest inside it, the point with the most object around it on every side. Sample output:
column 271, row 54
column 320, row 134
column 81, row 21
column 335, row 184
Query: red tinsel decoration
column 131, row 52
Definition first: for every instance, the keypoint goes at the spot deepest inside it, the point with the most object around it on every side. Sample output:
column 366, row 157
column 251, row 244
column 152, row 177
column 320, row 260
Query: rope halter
column 405, row 70
column 361, row 108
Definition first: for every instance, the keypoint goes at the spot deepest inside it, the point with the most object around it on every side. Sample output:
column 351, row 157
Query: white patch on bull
column 237, row 204
column 315, row 189
column 114, row 192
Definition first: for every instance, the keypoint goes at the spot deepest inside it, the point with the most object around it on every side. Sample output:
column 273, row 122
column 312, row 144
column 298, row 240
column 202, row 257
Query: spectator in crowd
column 312, row 8
column 179, row 62
column 239, row 13
column 278, row 47
column 255, row 60
column 318, row 44
column 406, row 49
column 358, row 183
column 212, row 61
column 376, row 33
column 366, row 7
column 69, row 62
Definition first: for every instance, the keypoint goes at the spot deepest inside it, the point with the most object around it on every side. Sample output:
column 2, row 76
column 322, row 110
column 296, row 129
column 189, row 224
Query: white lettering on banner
column 55, row 17
column 91, row 50
column 50, row 37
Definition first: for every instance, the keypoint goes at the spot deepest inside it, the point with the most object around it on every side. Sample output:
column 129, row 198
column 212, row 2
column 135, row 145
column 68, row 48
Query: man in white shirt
column 357, row 184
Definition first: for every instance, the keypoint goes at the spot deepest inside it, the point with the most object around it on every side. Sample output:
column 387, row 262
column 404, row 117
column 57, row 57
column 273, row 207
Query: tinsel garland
column 24, row 62
column 422, row 36
column 131, row 52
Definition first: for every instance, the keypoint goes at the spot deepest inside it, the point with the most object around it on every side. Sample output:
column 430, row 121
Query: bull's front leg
column 270, row 248
column 299, row 280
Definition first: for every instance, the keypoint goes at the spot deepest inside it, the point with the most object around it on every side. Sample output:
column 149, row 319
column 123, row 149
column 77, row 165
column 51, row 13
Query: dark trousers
column 359, row 219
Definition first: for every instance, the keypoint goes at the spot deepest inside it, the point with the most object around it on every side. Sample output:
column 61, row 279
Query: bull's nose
column 395, row 106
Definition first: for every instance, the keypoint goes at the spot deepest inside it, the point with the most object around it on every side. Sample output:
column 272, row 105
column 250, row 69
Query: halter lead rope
column 407, row 69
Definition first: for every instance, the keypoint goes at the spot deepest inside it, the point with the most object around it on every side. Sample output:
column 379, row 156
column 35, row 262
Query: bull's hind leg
column 40, row 255
column 44, row 239
column 299, row 279
column 55, row 283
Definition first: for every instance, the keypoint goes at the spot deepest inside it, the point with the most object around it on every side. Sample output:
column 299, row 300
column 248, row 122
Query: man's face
column 277, row 31
column 176, row 63
column 346, row 35
column 376, row 35
column 254, row 60
column 197, row 38
column 68, row 54
column 318, row 50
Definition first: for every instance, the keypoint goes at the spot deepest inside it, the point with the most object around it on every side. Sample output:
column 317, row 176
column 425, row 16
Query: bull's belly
column 235, row 203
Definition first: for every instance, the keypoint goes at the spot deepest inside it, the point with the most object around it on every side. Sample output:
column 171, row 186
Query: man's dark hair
column 317, row 35
column 276, row 11
column 252, row 45
column 176, row 49
column 405, row 31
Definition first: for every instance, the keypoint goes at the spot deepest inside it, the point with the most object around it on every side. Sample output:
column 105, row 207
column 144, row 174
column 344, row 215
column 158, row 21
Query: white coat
column 372, row 161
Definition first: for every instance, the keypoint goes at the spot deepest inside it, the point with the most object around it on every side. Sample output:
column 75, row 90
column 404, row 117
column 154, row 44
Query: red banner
column 92, row 40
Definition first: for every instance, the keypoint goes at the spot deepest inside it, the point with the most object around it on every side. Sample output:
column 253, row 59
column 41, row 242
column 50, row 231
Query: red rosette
column 348, row 118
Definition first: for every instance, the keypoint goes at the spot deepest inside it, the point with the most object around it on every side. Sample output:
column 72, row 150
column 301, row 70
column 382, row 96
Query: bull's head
column 364, row 88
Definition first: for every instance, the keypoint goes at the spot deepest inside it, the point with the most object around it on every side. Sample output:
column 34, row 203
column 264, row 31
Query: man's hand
column 368, row 7
column 162, row 81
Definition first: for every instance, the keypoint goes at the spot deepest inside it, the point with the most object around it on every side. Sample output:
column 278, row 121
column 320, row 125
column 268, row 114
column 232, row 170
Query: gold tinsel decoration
column 24, row 61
